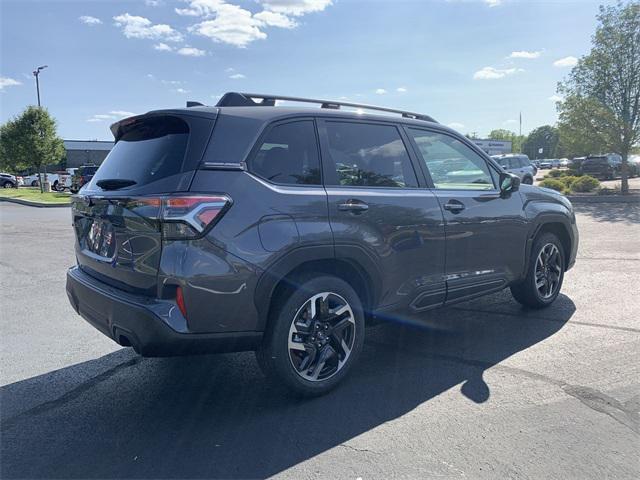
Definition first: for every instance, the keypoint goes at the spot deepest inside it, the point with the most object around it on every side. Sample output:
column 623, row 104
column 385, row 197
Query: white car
column 34, row 180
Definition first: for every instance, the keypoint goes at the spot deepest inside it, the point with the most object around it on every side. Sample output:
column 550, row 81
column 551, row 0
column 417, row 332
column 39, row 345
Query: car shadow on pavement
column 610, row 212
column 217, row 417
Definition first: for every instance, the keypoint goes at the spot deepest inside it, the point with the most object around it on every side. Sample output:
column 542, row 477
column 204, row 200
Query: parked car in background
column 82, row 176
column 604, row 167
column 296, row 227
column 576, row 162
column 66, row 179
column 634, row 165
column 8, row 181
column 518, row 164
column 545, row 163
column 31, row 180
column 565, row 162
column 34, row 180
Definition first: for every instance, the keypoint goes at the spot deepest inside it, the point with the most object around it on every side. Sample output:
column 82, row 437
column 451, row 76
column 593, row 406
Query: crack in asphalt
column 626, row 414
column 570, row 322
column 71, row 394
column 360, row 450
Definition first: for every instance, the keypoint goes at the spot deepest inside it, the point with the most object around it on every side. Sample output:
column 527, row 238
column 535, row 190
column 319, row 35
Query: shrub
column 553, row 184
column 585, row 184
column 568, row 180
column 555, row 174
column 572, row 172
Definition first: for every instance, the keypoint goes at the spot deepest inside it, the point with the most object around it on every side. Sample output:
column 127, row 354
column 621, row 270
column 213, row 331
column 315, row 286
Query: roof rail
column 235, row 99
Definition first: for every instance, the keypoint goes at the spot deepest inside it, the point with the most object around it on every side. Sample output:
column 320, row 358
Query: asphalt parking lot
column 484, row 390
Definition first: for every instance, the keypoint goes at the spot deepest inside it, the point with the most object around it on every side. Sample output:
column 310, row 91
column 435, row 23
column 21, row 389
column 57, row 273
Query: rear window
column 147, row 151
column 87, row 170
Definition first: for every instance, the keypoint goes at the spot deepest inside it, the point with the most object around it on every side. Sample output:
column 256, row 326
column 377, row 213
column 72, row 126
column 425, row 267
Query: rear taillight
column 180, row 302
column 189, row 217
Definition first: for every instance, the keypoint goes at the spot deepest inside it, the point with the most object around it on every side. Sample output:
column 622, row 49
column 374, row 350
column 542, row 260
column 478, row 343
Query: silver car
column 518, row 164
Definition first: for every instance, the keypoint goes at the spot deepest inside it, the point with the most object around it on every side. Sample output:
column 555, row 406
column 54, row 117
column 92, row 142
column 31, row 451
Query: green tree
column 30, row 141
column 545, row 137
column 602, row 92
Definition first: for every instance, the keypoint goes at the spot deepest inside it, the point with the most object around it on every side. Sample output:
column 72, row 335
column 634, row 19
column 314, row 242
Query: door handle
column 353, row 205
column 454, row 206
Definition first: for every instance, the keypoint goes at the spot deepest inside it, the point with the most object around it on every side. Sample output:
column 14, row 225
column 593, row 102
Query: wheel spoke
column 321, row 337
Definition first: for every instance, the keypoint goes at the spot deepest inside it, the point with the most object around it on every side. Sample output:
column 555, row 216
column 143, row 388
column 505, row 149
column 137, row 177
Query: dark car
column 82, row 176
column 249, row 226
column 604, row 167
column 8, row 181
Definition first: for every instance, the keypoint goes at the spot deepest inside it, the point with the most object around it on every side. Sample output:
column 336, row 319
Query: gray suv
column 518, row 164
column 249, row 226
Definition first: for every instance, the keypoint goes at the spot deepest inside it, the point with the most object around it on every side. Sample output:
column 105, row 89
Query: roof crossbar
column 235, row 99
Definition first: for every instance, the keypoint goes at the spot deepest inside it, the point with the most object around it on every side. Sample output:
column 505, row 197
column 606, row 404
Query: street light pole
column 36, row 73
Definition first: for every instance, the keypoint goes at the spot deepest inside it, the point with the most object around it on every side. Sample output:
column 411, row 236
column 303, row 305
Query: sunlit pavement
column 484, row 390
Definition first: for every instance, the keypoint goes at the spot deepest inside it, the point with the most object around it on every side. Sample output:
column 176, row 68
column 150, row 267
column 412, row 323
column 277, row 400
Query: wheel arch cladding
column 349, row 271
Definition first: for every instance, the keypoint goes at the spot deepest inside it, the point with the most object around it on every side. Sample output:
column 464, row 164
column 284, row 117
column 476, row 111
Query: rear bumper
column 134, row 321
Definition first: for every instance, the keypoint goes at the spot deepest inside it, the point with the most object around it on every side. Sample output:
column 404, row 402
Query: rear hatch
column 595, row 166
column 116, row 216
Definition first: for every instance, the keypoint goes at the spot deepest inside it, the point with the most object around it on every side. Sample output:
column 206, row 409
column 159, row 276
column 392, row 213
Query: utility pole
column 36, row 73
column 520, row 135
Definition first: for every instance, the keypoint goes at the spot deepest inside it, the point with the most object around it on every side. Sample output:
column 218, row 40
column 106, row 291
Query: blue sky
column 471, row 64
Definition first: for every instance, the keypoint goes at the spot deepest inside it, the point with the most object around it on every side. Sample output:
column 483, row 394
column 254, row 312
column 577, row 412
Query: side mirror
column 509, row 183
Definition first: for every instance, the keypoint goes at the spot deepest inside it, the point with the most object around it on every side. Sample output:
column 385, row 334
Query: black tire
column 527, row 180
column 275, row 357
column 527, row 292
column 34, row 183
column 7, row 185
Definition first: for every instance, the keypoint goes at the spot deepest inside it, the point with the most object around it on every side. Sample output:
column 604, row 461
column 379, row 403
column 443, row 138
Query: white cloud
column 381, row 91
column 295, row 7
column 8, row 82
column 112, row 115
column 191, row 52
column 122, row 113
column 456, row 125
column 237, row 76
column 275, row 19
column 525, row 54
column 566, row 62
column 162, row 47
column 232, row 25
column 171, row 82
column 491, row 73
column 224, row 22
column 556, row 98
column 493, row 3
column 401, row 90
column 152, row 3
column 181, row 90
column 511, row 121
column 140, row 27
column 89, row 20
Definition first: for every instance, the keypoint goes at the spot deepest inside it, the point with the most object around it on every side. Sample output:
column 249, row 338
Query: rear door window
column 367, row 155
column 289, row 155
column 147, row 151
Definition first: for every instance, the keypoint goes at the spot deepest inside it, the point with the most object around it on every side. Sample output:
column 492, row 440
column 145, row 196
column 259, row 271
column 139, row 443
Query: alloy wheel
column 548, row 271
column 321, row 336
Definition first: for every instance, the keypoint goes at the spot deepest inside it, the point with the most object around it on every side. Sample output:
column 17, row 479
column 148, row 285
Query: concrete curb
column 27, row 203
column 604, row 198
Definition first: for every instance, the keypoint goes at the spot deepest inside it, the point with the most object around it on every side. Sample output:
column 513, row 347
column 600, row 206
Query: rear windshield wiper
column 115, row 183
